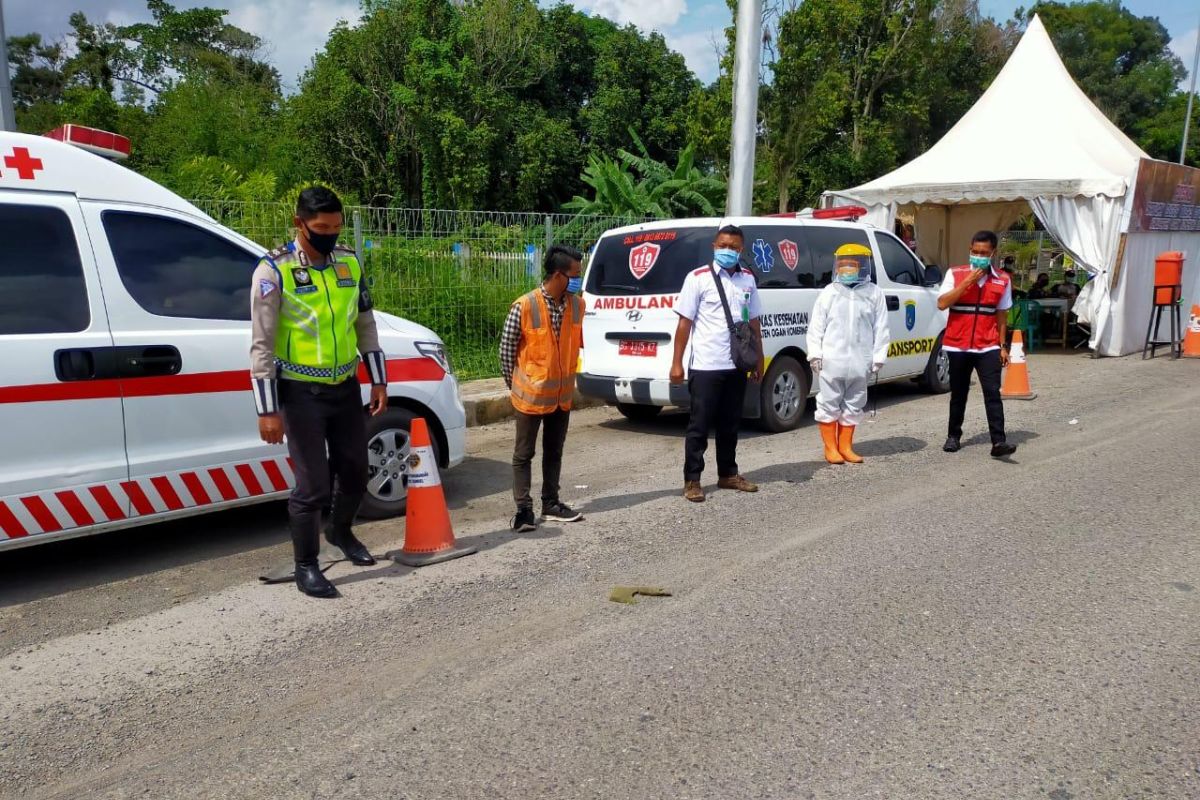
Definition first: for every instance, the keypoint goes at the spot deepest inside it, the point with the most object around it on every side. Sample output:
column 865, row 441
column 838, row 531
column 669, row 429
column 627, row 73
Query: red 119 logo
column 642, row 258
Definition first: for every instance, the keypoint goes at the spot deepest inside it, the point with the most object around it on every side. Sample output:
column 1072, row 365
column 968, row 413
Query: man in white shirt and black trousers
column 976, row 339
column 716, row 386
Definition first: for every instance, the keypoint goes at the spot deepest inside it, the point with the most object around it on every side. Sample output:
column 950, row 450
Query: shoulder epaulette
column 701, row 271
column 279, row 253
column 344, row 249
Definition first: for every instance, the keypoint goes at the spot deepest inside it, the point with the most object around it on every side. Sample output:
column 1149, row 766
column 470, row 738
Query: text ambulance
column 125, row 391
column 635, row 273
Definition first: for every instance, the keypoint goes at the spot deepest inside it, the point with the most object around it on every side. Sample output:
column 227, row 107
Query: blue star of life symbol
column 764, row 258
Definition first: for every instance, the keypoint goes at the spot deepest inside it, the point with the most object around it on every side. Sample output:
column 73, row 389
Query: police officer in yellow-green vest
column 311, row 318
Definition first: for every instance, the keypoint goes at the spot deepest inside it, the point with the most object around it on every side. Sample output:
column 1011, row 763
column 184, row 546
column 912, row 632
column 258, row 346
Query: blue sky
column 296, row 29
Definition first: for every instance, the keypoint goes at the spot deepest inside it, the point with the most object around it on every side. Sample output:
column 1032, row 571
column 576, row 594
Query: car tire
column 783, row 395
column 635, row 412
column 388, row 448
column 936, row 379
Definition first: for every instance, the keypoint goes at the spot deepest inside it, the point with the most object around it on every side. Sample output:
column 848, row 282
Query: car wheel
column 635, row 412
column 388, row 447
column 936, row 379
column 783, row 395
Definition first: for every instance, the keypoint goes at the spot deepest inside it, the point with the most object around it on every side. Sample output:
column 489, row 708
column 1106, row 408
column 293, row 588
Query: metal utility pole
column 8, row 118
column 1187, row 118
column 746, row 58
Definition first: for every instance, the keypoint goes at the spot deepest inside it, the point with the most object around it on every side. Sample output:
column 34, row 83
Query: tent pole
column 1187, row 118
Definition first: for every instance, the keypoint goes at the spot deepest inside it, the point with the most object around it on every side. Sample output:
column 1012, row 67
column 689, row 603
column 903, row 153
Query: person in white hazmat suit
column 847, row 343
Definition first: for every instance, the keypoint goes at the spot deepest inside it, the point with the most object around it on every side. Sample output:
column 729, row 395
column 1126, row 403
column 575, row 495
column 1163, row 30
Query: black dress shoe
column 1003, row 449
column 952, row 445
column 338, row 532
column 354, row 550
column 311, row 581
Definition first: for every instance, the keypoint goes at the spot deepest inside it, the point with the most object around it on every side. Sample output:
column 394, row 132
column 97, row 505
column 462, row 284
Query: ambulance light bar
column 102, row 143
column 840, row 212
column 851, row 213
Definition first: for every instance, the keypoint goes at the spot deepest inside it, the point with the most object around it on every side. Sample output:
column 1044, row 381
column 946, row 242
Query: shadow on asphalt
column 54, row 568
column 620, row 501
column 475, row 478
column 482, row 542
column 57, row 567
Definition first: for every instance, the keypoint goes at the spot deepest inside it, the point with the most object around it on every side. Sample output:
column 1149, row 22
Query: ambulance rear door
column 178, row 289
column 61, row 431
column 633, row 281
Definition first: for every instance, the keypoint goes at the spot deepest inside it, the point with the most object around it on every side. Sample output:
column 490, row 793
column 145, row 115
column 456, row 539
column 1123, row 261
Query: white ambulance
column 124, row 328
column 635, row 273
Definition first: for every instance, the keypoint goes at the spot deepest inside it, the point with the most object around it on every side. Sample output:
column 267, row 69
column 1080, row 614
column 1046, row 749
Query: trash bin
column 1168, row 278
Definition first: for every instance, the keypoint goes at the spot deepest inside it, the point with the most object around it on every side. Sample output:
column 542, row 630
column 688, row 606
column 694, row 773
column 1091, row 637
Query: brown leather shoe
column 737, row 482
column 692, row 491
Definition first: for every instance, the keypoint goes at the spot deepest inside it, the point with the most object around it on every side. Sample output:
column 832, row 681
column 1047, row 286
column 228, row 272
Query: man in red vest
column 976, row 339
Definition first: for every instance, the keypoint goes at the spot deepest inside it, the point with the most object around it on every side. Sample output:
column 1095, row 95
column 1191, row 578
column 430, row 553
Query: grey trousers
column 554, row 436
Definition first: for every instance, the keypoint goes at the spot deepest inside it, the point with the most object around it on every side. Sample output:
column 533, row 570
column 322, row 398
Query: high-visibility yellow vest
column 544, row 376
column 315, row 340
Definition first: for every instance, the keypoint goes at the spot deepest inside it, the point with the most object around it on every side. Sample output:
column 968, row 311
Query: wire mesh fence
column 455, row 272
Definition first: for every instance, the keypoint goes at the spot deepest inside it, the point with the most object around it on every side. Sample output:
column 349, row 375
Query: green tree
column 1122, row 61
column 641, row 186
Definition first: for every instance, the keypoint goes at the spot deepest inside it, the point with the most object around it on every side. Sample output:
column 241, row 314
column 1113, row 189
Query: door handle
column 85, row 364
column 893, row 302
column 142, row 361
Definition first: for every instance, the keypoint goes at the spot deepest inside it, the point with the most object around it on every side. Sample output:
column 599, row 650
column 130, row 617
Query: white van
column 635, row 273
column 125, row 391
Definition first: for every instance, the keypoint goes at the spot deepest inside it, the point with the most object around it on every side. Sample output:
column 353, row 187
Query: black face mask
column 323, row 243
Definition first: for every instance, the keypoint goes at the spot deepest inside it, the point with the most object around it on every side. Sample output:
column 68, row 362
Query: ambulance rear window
column 648, row 262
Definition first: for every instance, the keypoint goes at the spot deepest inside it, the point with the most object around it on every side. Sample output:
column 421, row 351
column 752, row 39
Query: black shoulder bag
column 742, row 344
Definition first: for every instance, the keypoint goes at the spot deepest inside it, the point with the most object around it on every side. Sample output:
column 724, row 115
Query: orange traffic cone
column 428, row 537
column 1191, row 341
column 1016, row 377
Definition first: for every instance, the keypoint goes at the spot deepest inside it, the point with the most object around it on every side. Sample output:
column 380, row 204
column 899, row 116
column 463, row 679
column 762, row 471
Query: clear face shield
column 851, row 270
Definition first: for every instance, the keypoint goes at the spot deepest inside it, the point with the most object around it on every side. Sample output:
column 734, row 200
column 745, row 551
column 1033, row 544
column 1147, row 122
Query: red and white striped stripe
column 86, row 506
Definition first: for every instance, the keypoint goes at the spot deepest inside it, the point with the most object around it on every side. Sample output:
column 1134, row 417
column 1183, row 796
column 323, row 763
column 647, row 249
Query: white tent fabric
column 1074, row 168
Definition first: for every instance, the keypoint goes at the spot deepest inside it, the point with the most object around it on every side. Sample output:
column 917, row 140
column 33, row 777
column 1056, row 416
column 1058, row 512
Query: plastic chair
column 1026, row 316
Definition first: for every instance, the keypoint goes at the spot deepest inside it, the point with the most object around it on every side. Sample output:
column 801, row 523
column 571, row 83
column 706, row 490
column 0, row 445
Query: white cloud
column 701, row 49
column 1185, row 47
column 646, row 14
column 293, row 31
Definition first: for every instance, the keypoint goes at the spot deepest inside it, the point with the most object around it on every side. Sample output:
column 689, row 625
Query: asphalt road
column 926, row 625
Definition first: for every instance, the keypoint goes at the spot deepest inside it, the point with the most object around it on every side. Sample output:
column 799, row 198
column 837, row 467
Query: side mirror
column 933, row 275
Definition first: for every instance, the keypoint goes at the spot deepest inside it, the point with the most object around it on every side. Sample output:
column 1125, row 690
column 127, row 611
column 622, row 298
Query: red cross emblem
column 25, row 164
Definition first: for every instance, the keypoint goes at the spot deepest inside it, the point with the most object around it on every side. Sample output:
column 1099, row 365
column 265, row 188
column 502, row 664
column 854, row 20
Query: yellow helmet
column 852, row 264
column 853, row 250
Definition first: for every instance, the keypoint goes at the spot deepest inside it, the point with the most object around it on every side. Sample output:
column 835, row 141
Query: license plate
column 648, row 349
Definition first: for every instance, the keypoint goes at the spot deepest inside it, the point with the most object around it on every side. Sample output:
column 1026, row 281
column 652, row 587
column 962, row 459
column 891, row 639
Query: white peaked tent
column 1033, row 140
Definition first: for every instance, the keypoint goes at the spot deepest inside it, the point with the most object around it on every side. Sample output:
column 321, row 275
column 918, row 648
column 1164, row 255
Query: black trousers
column 716, row 402
column 317, row 419
column 554, row 436
column 987, row 367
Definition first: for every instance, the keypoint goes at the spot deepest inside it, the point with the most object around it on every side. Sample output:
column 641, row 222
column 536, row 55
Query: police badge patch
column 303, row 280
column 265, row 288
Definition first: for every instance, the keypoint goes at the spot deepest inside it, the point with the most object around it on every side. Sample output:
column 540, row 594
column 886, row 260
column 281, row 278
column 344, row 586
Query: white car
column 124, row 326
column 635, row 273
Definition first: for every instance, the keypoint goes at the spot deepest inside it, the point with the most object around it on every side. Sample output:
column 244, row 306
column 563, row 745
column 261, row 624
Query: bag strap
column 724, row 299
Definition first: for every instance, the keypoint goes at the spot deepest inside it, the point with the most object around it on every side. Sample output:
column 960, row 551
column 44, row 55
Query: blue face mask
column 980, row 262
column 574, row 285
column 726, row 258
